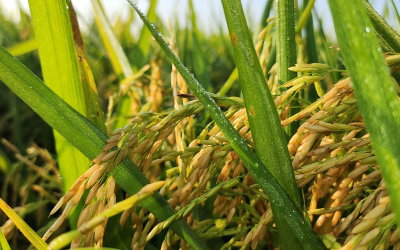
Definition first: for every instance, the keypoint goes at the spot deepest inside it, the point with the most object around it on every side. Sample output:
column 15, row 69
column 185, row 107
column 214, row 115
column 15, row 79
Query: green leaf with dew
column 373, row 88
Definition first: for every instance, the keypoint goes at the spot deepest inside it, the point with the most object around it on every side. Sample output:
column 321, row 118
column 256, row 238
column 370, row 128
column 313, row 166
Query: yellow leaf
column 26, row 230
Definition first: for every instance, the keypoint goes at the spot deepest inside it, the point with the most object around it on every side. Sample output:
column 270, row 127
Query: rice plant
column 147, row 155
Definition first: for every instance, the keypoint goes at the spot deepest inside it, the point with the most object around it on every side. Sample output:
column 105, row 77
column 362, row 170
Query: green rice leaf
column 269, row 138
column 228, row 84
column 23, row 48
column 305, row 16
column 396, row 10
column 3, row 242
column 373, row 88
column 114, row 50
column 312, row 54
column 383, row 30
column 286, row 51
column 266, row 13
column 328, row 57
column 53, row 31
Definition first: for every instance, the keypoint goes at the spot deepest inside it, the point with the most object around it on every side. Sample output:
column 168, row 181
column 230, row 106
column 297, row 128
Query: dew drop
column 368, row 29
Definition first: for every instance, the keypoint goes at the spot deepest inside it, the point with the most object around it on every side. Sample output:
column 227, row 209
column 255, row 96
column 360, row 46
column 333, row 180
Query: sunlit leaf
column 23, row 48
column 25, row 229
column 53, row 31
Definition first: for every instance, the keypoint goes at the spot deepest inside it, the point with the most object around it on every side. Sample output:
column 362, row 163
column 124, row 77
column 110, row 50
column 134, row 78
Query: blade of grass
column 305, row 16
column 143, row 46
column 23, row 48
column 270, row 186
column 266, row 13
column 94, row 113
column 271, row 59
column 266, row 129
column 330, row 58
column 228, row 84
column 3, row 242
column 286, row 44
column 373, row 88
column 114, row 50
column 286, row 51
column 84, row 136
column 396, row 11
column 25, row 229
column 53, row 32
column 311, row 48
column 311, row 45
column 269, row 138
column 383, row 29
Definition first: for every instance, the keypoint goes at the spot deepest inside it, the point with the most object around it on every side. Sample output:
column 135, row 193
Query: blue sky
column 208, row 12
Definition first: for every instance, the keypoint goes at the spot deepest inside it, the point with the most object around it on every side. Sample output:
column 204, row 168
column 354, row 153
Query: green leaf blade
column 52, row 26
column 372, row 85
column 384, row 31
column 115, row 52
column 269, row 139
column 23, row 48
column 286, row 50
column 3, row 242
